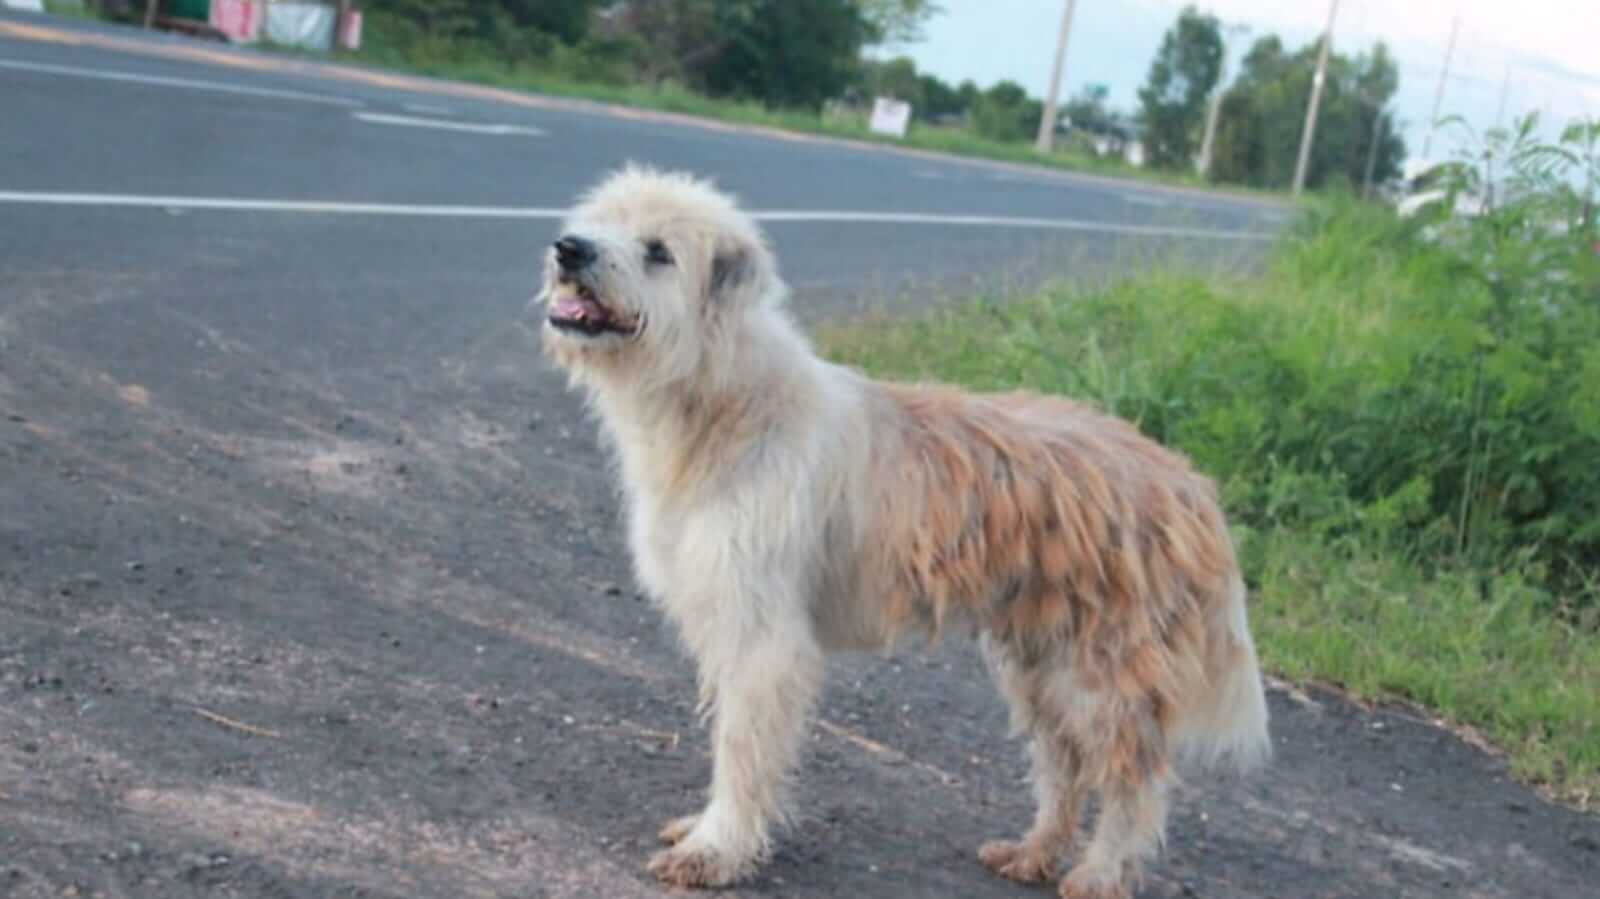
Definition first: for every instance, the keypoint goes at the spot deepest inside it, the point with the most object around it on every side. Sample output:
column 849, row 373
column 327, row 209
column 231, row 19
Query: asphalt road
column 310, row 573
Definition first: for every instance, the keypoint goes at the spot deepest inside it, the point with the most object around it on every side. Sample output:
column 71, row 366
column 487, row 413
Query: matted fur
column 782, row 507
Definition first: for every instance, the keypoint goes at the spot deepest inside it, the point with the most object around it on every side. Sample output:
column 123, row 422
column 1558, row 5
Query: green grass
column 69, row 10
column 1380, row 435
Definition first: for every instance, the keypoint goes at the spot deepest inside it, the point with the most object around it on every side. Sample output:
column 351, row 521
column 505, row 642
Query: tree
column 940, row 99
column 895, row 78
column 1087, row 109
column 434, row 19
column 1006, row 113
column 1173, row 99
column 566, row 20
column 794, row 53
column 1377, row 81
column 675, row 39
column 929, row 97
column 968, row 94
column 897, row 21
column 1258, row 127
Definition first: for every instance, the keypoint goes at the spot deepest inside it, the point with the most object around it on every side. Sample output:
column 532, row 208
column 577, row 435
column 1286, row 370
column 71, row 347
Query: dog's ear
column 728, row 269
column 732, row 270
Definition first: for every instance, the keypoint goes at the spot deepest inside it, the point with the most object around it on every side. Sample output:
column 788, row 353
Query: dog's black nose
column 573, row 252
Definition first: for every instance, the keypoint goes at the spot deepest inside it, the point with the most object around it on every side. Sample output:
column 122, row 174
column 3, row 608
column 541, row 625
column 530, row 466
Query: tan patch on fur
column 1054, row 526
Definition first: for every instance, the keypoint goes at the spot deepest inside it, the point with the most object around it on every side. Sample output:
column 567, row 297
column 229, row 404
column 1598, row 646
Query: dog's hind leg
column 1033, row 858
column 1129, row 765
column 1056, row 786
column 1132, row 820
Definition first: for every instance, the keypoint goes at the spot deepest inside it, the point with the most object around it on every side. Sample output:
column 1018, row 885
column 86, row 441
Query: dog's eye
column 656, row 253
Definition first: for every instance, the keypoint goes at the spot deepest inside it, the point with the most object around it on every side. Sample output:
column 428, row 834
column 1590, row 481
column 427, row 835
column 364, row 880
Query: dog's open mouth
column 576, row 309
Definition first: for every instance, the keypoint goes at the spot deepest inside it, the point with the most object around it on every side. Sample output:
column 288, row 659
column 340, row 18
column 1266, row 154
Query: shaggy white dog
column 782, row 507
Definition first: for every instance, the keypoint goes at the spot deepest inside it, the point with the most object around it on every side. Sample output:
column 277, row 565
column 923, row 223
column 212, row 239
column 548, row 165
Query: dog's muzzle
column 574, row 253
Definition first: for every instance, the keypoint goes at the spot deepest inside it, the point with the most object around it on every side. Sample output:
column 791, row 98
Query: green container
column 190, row 9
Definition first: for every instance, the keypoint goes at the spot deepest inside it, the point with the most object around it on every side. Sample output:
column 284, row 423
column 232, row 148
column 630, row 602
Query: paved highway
column 310, row 574
column 126, row 127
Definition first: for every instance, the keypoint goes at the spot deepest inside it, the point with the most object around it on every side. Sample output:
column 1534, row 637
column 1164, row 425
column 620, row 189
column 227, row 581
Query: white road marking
column 224, row 87
column 1006, row 221
column 1146, row 200
column 383, row 118
column 426, row 109
column 233, row 204
column 243, row 204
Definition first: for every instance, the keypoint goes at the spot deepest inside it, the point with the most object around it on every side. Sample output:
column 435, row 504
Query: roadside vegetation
column 816, row 66
column 1404, row 417
column 721, row 59
column 810, row 67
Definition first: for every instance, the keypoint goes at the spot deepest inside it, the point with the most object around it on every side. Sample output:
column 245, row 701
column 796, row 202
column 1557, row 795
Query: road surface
column 310, row 573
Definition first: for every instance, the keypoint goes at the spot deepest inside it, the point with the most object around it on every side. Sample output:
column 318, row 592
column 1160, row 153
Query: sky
column 1544, row 53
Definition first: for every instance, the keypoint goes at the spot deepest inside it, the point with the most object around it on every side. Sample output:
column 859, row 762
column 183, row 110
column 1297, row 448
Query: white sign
column 308, row 25
column 890, row 116
column 28, row 5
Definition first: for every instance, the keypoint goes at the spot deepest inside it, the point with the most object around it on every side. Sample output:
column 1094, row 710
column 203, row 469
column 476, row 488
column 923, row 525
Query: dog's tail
column 1229, row 722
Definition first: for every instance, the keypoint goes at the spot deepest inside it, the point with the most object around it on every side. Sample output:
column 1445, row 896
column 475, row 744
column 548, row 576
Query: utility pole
column 1215, row 108
column 1438, row 95
column 1505, row 92
column 150, row 13
column 1310, row 130
column 1372, row 152
column 1047, row 119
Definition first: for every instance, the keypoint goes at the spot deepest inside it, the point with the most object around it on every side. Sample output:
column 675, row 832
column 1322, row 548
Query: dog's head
column 648, row 273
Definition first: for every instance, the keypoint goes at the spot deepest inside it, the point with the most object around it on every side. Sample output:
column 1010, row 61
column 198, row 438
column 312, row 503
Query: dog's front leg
column 762, row 686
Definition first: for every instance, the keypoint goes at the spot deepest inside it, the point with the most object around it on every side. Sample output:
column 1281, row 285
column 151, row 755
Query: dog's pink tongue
column 572, row 306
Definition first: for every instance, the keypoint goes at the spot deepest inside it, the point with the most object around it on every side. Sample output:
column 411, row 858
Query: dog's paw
column 673, row 832
column 1017, row 861
column 682, row 866
column 1084, row 882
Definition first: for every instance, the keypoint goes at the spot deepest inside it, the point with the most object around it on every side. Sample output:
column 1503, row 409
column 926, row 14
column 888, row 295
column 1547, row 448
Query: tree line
column 807, row 53
column 784, row 53
column 1261, row 114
